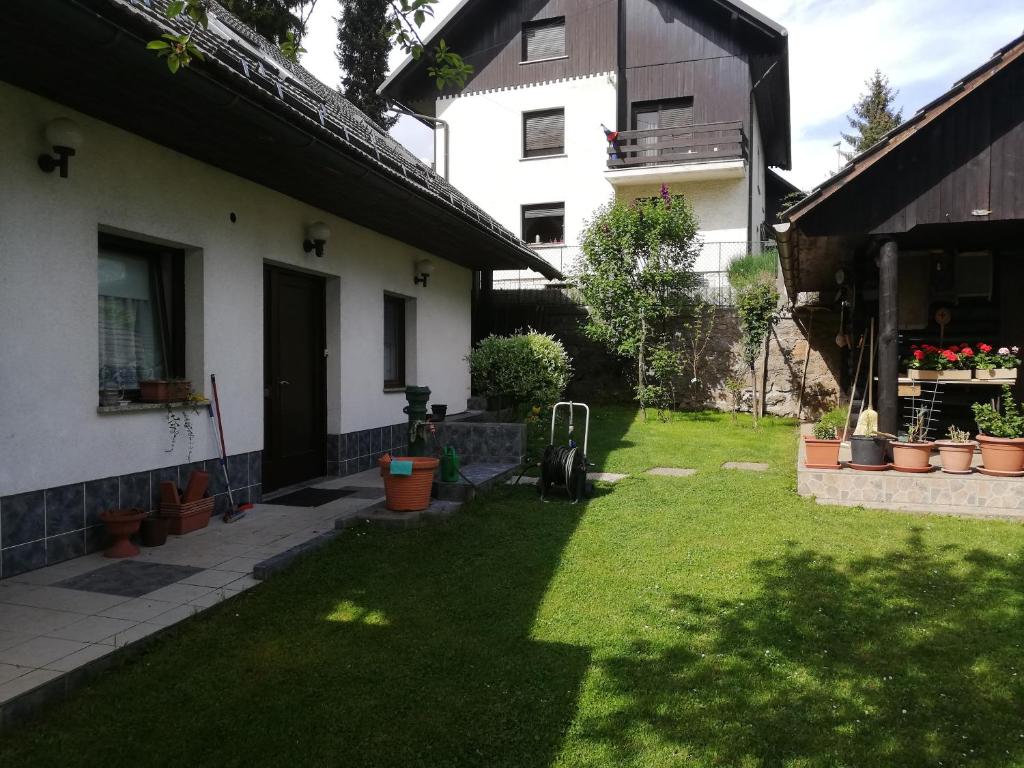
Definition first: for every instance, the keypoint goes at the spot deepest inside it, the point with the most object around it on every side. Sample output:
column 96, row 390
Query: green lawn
column 711, row 620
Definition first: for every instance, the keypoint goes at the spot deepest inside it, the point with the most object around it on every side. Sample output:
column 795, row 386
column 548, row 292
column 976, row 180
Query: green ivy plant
column 995, row 422
column 636, row 278
column 404, row 19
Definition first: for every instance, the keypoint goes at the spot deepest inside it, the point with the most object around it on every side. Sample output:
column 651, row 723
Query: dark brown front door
column 294, row 383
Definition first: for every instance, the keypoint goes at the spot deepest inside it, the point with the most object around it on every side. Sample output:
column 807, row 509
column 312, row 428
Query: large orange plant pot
column 122, row 524
column 821, row 454
column 408, row 493
column 1002, row 455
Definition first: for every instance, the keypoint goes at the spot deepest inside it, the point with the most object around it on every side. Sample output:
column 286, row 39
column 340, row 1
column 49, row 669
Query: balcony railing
column 678, row 146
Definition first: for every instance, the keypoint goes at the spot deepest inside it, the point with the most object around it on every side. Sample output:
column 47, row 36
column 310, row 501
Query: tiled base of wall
column 40, row 528
column 358, row 451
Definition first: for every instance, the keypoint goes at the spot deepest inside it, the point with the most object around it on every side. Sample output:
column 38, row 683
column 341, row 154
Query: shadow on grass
column 385, row 649
column 911, row 658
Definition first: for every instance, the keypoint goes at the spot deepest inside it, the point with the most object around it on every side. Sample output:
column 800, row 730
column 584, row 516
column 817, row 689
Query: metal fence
column 712, row 267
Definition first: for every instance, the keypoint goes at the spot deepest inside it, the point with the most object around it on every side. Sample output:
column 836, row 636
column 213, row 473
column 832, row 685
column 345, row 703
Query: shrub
column 527, row 369
column 754, row 267
column 835, row 418
column 995, row 423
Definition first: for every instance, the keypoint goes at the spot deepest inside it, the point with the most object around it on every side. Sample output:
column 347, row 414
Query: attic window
column 544, row 39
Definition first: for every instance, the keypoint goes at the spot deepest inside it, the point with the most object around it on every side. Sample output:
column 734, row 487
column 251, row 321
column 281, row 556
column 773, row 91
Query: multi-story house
column 573, row 101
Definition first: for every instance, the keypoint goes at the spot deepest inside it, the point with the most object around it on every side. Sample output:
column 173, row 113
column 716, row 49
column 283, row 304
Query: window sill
column 541, row 157
column 542, row 246
column 538, row 61
column 393, row 390
column 138, row 407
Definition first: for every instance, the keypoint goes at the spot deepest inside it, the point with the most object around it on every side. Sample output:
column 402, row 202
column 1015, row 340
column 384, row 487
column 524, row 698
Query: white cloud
column 924, row 46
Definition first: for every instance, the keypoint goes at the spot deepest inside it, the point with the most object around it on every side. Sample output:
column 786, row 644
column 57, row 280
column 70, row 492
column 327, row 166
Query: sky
column 924, row 46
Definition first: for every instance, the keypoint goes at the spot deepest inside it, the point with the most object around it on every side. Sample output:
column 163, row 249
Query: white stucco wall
column 50, row 432
column 486, row 150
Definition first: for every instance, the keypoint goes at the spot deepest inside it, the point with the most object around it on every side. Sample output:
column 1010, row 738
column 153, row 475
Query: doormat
column 310, row 497
column 129, row 578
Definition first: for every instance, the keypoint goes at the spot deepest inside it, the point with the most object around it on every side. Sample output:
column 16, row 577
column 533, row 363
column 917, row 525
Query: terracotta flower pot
column 1003, row 455
column 153, row 531
column 821, row 454
column 956, row 457
column 408, row 493
column 912, row 456
column 122, row 524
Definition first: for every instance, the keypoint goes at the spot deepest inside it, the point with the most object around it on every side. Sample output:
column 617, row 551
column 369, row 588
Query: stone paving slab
column 606, row 477
column 747, row 466
column 380, row 515
column 672, row 471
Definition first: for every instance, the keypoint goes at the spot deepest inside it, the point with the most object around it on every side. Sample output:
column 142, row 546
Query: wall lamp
column 64, row 135
column 317, row 234
column 424, row 269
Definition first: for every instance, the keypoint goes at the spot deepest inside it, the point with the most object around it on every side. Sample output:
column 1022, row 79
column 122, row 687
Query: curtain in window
column 130, row 347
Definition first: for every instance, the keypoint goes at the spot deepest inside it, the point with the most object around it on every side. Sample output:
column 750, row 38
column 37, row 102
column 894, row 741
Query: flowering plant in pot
column 1001, row 430
column 822, row 446
column 930, row 363
column 956, row 451
column 993, row 363
column 913, row 454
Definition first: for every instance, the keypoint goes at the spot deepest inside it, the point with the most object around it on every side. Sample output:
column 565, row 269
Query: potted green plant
column 913, row 454
column 930, row 363
column 822, row 446
column 999, row 363
column 957, row 451
column 1001, row 428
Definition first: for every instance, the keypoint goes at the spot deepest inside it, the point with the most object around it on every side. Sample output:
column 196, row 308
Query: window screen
column 544, row 39
column 544, row 223
column 544, row 133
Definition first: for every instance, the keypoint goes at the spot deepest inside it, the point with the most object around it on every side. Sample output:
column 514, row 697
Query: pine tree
column 364, row 42
column 873, row 115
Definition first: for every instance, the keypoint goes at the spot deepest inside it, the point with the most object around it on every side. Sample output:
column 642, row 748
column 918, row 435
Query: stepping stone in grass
column 672, row 471
column 749, row 466
column 606, row 477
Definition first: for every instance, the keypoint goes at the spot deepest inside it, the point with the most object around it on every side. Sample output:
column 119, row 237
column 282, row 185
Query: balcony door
column 656, row 115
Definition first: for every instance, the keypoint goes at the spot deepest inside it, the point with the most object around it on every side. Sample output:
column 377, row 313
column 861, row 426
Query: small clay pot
column 1002, row 454
column 911, row 455
column 153, row 531
column 821, row 454
column 956, row 457
column 868, row 450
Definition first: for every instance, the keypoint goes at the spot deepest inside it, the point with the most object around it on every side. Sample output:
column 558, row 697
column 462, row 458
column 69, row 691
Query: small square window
column 544, row 224
column 141, row 313
column 544, row 39
column 394, row 342
column 544, row 133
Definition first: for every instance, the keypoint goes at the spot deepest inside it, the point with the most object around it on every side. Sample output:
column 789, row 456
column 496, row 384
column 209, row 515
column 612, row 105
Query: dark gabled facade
column 711, row 51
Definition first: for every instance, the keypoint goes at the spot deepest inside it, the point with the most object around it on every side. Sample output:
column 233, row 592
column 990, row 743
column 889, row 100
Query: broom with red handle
column 233, row 512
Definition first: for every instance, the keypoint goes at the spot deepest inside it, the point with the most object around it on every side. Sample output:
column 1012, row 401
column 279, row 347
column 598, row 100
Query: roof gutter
column 785, row 237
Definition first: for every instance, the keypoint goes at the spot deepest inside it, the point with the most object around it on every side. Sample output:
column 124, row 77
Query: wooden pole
column 888, row 337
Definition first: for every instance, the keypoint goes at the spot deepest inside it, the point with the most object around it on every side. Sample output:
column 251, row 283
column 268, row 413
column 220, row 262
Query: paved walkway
column 55, row 620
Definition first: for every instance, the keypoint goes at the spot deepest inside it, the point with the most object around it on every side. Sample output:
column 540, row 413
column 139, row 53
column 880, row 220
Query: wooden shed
column 925, row 233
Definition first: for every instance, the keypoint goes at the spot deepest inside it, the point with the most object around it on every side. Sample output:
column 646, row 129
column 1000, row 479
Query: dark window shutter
column 676, row 115
column 544, row 39
column 544, row 133
column 541, row 212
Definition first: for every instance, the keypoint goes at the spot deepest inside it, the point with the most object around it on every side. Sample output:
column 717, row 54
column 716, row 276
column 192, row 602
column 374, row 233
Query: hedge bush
column 524, row 369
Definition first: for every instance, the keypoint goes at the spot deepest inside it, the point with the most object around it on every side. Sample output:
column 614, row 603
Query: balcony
column 690, row 153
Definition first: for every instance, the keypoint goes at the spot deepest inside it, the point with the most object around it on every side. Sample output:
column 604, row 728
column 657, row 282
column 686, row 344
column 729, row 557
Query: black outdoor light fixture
column 317, row 234
column 424, row 269
column 64, row 135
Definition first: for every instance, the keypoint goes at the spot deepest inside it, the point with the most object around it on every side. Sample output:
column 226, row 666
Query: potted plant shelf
column 1001, row 429
column 996, row 364
column 956, row 452
column 930, row 363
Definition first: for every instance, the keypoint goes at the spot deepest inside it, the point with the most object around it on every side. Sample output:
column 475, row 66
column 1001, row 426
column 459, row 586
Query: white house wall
column 50, row 431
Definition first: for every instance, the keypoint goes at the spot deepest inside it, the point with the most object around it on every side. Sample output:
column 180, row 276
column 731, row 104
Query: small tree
column 873, row 115
column 635, row 276
column 525, row 369
column 757, row 306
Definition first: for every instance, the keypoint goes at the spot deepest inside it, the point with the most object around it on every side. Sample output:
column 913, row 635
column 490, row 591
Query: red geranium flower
column 986, row 348
column 918, row 354
column 967, row 351
column 949, row 355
